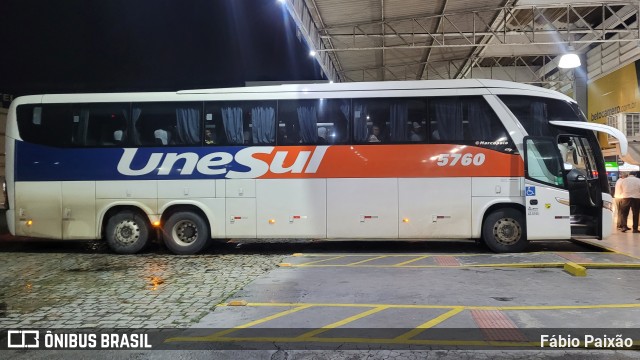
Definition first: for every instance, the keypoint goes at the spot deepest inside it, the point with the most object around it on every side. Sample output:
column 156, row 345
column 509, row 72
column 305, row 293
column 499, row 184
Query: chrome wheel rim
column 184, row 232
column 507, row 231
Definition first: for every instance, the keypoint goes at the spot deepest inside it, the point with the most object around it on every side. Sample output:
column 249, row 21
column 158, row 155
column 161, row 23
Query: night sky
column 159, row 45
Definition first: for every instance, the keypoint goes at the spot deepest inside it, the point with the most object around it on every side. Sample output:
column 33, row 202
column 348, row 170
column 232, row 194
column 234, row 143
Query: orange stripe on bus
column 404, row 161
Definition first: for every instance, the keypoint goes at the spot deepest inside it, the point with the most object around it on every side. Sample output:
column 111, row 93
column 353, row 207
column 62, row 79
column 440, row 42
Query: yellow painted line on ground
column 519, row 265
column 336, row 324
column 366, row 260
column 259, row 321
column 429, row 324
column 503, row 265
column 360, row 341
column 466, row 307
column 319, row 261
column 487, row 343
column 412, row 260
column 589, row 243
column 611, row 265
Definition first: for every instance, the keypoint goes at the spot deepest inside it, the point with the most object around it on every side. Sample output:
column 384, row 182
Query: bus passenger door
column 78, row 210
column 546, row 196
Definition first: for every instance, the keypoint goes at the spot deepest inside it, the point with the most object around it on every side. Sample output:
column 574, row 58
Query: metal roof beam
column 302, row 17
column 424, row 59
column 598, row 35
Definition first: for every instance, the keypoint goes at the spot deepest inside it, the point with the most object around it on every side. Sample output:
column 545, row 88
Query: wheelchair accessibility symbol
column 530, row 191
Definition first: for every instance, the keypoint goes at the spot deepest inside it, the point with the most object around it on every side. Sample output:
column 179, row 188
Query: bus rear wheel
column 185, row 233
column 503, row 231
column 127, row 232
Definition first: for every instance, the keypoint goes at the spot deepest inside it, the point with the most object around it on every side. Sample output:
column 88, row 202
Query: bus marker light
column 272, row 221
column 405, row 220
column 284, row 265
column 156, row 223
column 297, row 254
column 29, row 222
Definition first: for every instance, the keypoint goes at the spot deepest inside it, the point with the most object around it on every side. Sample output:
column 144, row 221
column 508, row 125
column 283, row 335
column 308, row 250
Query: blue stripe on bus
column 44, row 163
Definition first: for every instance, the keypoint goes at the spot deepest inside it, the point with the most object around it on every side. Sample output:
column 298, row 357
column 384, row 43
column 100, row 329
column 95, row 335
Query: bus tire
column 504, row 231
column 127, row 232
column 185, row 233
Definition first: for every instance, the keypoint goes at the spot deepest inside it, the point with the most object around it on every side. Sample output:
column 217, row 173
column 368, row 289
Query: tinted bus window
column 534, row 113
column 463, row 119
column 96, row 125
column 240, row 123
column 313, row 122
column 466, row 120
column 389, row 120
column 166, row 124
column 49, row 124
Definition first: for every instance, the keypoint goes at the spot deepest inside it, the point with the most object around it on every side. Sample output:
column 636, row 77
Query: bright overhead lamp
column 312, row 53
column 570, row 60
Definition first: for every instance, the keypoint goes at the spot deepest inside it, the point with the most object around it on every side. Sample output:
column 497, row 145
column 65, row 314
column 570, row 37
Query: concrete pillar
column 580, row 84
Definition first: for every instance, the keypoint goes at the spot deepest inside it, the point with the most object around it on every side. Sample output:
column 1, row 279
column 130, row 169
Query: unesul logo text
column 217, row 163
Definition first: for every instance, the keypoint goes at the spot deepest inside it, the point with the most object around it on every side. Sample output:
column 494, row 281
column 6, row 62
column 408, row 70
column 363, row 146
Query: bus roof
column 377, row 85
column 289, row 90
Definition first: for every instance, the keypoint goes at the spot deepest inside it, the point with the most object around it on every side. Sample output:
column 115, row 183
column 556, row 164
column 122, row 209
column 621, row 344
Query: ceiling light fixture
column 569, row 60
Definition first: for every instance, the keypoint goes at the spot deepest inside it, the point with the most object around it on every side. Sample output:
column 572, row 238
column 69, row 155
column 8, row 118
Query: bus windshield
column 535, row 113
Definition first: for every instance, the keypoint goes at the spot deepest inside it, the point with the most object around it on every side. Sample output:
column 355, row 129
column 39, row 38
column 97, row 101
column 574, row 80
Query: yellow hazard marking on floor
column 410, row 261
column 559, row 264
column 336, row 324
column 404, row 339
column 429, row 324
column 361, row 341
column 466, row 307
column 259, row 321
column 319, row 261
column 589, row 243
column 366, row 260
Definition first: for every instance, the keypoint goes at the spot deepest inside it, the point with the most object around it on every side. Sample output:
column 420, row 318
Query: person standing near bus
column 622, row 219
column 631, row 199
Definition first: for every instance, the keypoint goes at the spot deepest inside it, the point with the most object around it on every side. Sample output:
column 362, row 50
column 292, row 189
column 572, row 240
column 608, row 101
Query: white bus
column 453, row 159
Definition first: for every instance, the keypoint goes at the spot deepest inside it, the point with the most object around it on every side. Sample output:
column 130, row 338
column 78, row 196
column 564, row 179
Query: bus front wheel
column 503, row 231
column 185, row 233
column 127, row 232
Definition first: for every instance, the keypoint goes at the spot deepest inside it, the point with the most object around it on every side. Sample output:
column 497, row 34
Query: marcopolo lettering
column 218, row 163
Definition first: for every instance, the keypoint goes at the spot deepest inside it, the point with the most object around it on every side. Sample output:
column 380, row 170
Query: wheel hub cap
column 507, row 231
column 127, row 232
column 185, row 232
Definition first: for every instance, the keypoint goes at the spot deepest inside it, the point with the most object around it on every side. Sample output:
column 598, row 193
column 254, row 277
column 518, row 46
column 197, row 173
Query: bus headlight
column 607, row 205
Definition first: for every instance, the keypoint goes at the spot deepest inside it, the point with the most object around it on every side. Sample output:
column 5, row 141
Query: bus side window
column 48, row 124
column 167, row 124
column 240, row 123
column 446, row 119
column 95, row 125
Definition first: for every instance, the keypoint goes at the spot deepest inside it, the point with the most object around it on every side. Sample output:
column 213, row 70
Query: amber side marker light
column 405, row 220
column 156, row 223
column 272, row 221
column 29, row 222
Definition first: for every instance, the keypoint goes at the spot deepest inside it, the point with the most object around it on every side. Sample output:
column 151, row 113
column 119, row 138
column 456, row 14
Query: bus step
column 581, row 229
